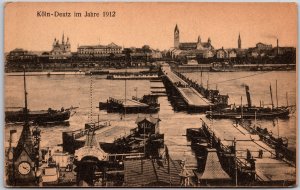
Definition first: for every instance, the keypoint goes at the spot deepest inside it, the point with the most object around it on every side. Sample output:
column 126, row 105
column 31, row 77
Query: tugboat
column 41, row 116
column 250, row 112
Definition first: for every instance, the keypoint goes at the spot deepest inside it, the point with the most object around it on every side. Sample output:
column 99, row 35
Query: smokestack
column 277, row 47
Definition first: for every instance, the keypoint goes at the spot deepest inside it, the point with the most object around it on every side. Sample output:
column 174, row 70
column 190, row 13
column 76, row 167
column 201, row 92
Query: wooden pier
column 267, row 168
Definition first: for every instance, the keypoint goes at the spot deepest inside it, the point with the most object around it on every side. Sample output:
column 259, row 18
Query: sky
column 137, row 24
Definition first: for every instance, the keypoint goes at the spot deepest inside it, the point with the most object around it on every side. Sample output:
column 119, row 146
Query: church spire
column 176, row 29
column 239, row 42
column 199, row 39
column 176, row 37
column 63, row 38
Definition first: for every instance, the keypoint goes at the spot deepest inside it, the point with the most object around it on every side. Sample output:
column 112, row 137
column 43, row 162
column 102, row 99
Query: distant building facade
column 60, row 50
column 99, row 50
column 19, row 55
column 221, row 53
column 190, row 45
column 232, row 53
column 261, row 46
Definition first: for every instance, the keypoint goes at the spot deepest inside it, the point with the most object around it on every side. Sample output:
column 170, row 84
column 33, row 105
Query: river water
column 74, row 90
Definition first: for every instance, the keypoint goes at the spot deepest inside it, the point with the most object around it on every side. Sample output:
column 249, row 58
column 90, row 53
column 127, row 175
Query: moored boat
column 40, row 116
column 147, row 104
column 250, row 111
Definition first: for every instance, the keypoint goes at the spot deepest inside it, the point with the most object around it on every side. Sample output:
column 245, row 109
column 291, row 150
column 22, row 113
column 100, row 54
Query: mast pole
column 271, row 96
column 235, row 162
column 25, row 94
column 276, row 95
column 242, row 107
column 287, row 100
column 201, row 77
column 277, row 128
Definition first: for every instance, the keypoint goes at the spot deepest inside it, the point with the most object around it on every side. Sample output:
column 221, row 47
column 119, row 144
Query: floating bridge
column 182, row 94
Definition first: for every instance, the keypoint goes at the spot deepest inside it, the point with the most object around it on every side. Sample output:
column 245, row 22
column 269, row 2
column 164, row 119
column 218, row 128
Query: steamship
column 250, row 112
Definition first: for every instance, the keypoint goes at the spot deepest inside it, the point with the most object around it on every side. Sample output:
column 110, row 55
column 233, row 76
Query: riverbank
column 80, row 72
column 234, row 68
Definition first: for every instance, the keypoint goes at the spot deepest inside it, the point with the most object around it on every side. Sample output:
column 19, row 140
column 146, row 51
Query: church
column 60, row 50
column 199, row 45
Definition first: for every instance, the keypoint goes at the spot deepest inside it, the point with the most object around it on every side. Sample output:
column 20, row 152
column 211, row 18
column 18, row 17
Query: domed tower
column 68, row 45
column 176, row 37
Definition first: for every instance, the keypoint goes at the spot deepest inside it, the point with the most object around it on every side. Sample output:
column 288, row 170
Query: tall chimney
column 277, row 48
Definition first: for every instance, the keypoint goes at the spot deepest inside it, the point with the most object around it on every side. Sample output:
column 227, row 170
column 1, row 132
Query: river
column 58, row 91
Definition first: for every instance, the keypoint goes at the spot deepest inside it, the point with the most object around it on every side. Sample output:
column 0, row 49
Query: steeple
column 199, row 39
column 63, row 39
column 239, row 42
column 176, row 29
column 209, row 40
column 176, row 37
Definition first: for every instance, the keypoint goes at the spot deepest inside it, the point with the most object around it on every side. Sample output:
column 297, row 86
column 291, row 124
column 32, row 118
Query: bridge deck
column 190, row 95
column 268, row 167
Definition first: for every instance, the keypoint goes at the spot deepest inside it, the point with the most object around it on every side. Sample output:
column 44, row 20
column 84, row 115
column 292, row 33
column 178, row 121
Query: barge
column 147, row 104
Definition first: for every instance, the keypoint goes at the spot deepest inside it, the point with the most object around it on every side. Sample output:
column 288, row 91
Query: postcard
column 164, row 94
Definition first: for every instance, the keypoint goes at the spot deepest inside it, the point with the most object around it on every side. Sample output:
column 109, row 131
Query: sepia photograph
column 152, row 94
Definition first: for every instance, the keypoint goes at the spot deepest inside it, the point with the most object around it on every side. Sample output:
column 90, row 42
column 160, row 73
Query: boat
column 146, row 104
column 145, row 138
column 249, row 111
column 41, row 116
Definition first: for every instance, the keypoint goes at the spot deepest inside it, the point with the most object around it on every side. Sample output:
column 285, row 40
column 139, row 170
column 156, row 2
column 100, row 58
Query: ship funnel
column 248, row 95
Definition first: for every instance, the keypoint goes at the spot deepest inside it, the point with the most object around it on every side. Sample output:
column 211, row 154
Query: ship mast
column 276, row 95
column 271, row 96
column 25, row 95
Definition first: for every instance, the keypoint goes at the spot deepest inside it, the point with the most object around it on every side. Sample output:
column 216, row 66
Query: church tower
column 239, row 42
column 199, row 39
column 176, row 37
column 63, row 39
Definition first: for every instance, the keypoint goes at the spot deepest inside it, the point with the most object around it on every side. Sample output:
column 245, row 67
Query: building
column 208, row 54
column 232, row 53
column 221, row 53
column 19, row 55
column 190, row 45
column 60, row 50
column 98, row 50
column 253, row 53
column 261, row 46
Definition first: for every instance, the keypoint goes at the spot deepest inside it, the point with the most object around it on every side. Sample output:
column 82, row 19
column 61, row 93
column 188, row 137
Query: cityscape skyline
column 220, row 22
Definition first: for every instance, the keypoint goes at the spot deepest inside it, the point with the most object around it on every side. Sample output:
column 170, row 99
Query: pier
column 186, row 95
column 244, row 156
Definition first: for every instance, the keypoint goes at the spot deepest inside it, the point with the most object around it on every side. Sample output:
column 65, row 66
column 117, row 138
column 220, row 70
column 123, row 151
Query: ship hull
column 37, row 116
column 279, row 113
